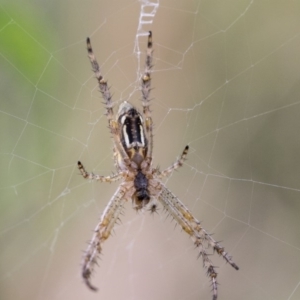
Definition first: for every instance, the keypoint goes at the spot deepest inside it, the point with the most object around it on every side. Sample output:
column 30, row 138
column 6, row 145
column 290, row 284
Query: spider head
column 132, row 132
column 140, row 200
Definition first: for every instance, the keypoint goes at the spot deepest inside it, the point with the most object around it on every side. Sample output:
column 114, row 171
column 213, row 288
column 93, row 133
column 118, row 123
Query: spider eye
column 143, row 195
column 140, row 199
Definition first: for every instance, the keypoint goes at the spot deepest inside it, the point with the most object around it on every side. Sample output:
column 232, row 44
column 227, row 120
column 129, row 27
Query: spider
column 133, row 143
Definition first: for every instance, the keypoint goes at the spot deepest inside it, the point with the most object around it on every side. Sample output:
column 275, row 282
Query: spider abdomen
column 132, row 132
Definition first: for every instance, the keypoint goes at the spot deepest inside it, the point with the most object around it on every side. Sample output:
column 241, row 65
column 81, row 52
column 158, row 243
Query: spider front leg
column 102, row 233
column 198, row 234
column 195, row 224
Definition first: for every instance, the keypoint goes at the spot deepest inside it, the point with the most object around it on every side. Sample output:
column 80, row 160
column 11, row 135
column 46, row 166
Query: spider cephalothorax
column 133, row 140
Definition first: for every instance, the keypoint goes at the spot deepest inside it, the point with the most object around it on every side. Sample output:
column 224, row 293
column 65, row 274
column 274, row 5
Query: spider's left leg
column 104, row 89
column 146, row 88
column 177, row 164
column 102, row 232
column 92, row 176
column 198, row 234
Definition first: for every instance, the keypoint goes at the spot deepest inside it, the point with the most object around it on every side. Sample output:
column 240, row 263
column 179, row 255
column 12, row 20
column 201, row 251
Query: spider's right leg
column 102, row 232
column 146, row 88
column 177, row 164
column 198, row 234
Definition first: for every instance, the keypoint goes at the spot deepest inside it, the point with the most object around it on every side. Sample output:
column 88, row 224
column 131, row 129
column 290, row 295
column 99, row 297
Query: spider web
column 226, row 82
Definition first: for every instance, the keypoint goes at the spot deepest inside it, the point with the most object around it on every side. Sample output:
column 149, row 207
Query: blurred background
column 226, row 81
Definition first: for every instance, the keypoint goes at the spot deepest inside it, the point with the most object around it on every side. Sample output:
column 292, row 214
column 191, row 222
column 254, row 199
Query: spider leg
column 102, row 232
column 197, row 233
column 97, row 177
column 104, row 89
column 180, row 207
column 177, row 164
column 146, row 88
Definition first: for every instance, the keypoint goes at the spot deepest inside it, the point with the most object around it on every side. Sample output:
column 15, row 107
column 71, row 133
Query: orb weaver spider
column 133, row 143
